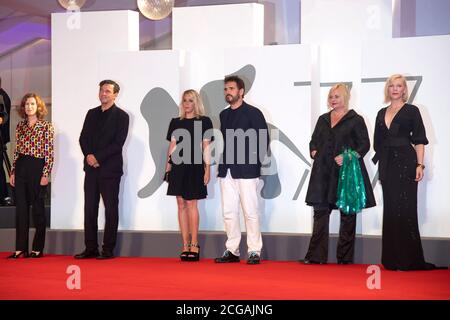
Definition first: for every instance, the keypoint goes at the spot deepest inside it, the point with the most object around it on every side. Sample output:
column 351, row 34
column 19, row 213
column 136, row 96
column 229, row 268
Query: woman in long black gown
column 399, row 143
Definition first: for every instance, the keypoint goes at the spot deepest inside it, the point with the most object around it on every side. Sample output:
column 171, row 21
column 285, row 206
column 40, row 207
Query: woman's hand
column 419, row 173
column 44, row 181
column 339, row 160
column 168, row 167
column 207, row 176
column 12, row 180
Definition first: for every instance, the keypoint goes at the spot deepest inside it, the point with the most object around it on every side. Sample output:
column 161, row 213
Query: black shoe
column 34, row 254
column 185, row 253
column 8, row 202
column 344, row 262
column 227, row 257
column 18, row 255
column 254, row 258
column 87, row 255
column 105, row 255
column 306, row 261
column 194, row 256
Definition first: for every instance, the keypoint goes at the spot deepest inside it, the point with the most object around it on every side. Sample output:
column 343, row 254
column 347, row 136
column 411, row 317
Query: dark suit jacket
column 107, row 148
column 249, row 118
column 4, row 128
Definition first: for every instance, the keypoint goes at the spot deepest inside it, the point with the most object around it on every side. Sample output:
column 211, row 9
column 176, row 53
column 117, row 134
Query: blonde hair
column 199, row 109
column 389, row 81
column 343, row 89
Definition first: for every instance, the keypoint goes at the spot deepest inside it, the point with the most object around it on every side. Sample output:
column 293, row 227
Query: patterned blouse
column 37, row 142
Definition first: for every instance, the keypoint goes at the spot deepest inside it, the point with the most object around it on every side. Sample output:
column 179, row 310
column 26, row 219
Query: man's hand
column 12, row 180
column 1, row 120
column 92, row 161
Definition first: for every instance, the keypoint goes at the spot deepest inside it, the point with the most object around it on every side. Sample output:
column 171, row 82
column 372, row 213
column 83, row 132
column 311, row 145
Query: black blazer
column 249, row 118
column 4, row 128
column 107, row 147
column 349, row 132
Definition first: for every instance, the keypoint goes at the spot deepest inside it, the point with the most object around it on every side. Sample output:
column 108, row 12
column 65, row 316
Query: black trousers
column 318, row 245
column 108, row 188
column 28, row 191
column 3, row 186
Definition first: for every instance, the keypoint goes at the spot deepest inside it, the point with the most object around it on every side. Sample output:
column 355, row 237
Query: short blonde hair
column 405, row 95
column 199, row 109
column 41, row 111
column 343, row 89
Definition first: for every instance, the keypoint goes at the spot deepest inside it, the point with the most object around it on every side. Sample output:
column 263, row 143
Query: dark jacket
column 349, row 132
column 406, row 129
column 105, row 142
column 4, row 128
column 248, row 117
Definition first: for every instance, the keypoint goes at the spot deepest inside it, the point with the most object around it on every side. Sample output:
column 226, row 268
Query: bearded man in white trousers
column 246, row 140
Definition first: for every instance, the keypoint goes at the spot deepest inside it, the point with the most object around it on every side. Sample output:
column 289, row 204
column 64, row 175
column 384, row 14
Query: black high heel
column 185, row 254
column 194, row 256
column 17, row 255
column 36, row 255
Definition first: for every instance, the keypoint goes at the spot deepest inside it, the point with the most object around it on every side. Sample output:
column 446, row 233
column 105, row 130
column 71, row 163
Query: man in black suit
column 104, row 133
column 5, row 109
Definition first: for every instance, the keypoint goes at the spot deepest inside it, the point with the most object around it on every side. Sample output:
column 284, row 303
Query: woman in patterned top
column 32, row 165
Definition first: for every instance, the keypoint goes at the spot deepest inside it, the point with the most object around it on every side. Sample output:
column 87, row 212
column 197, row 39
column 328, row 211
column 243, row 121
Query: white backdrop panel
column 75, row 77
column 138, row 73
column 220, row 26
column 340, row 63
column 287, row 107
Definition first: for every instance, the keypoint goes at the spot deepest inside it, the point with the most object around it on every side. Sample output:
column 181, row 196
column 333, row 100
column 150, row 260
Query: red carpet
column 162, row 278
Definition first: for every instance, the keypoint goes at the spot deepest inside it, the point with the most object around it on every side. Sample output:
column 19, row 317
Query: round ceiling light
column 155, row 9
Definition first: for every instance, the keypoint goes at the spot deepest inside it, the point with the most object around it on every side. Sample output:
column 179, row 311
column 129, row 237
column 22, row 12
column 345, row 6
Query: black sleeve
column 3, row 109
column 418, row 135
column 171, row 129
column 377, row 133
column 259, row 123
column 207, row 125
column 314, row 143
column 85, row 145
column 362, row 137
column 119, row 139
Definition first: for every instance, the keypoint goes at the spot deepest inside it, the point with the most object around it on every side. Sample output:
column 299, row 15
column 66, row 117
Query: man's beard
column 231, row 99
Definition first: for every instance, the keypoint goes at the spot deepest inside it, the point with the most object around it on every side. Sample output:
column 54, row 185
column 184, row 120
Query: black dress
column 401, row 244
column 187, row 173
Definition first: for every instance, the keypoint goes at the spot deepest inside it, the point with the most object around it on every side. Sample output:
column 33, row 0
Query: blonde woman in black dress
column 399, row 142
column 188, row 168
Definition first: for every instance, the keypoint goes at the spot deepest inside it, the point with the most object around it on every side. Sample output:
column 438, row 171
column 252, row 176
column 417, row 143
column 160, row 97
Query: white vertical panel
column 223, row 26
column 334, row 21
column 78, row 40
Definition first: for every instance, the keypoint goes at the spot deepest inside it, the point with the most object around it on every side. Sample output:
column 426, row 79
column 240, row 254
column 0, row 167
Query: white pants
column 234, row 193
